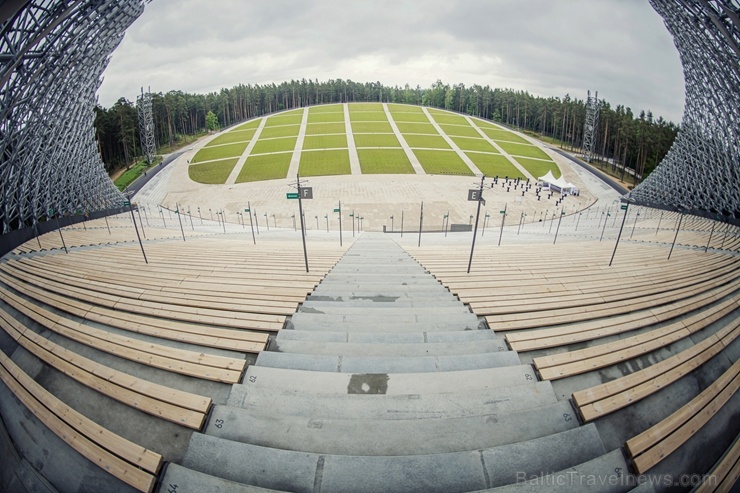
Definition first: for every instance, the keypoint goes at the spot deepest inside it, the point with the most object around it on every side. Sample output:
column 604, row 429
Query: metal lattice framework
column 52, row 54
column 701, row 172
column 146, row 125
column 593, row 108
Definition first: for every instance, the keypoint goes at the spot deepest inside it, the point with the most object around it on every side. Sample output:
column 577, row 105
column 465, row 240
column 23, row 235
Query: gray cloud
column 550, row 48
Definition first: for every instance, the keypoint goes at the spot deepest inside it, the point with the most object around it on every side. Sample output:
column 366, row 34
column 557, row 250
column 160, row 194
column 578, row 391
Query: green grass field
column 282, row 131
column 440, row 162
column 448, row 118
column 214, row 173
column 523, row 150
column 494, row 164
column 265, row 167
column 365, row 107
column 468, row 144
column 538, row 168
column 274, row 145
column 232, row 137
column 325, row 117
column 325, row 128
column 460, row 131
column 368, row 116
column 384, row 161
column 376, row 140
column 290, row 118
column 404, row 108
column 325, row 141
column 320, row 163
column 219, row 152
column 410, row 117
column 503, row 135
column 417, row 128
column 426, row 141
column 325, row 146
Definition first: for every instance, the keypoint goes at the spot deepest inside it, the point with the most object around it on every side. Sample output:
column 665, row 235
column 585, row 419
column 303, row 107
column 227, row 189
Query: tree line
column 633, row 143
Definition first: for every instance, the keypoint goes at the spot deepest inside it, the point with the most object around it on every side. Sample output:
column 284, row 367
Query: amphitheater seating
column 123, row 459
column 656, row 443
column 580, row 361
column 598, row 401
column 183, row 408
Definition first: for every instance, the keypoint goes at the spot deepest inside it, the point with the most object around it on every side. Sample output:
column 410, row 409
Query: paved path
column 354, row 159
column 404, row 145
column 295, row 161
column 243, row 158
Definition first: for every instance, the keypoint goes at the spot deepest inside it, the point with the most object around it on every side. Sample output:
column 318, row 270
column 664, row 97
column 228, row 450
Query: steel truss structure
column 590, row 127
column 52, row 54
column 146, row 125
column 701, row 173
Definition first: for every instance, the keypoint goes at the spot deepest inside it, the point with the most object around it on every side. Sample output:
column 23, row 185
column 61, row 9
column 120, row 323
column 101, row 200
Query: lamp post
column 391, row 223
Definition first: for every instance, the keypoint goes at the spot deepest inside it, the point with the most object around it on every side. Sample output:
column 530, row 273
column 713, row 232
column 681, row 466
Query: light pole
column 391, row 223
column 326, row 216
column 200, row 217
column 274, row 220
column 267, row 222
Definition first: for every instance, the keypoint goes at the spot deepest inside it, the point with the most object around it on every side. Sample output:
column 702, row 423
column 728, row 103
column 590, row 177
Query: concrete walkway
column 404, row 145
column 354, row 159
column 295, row 160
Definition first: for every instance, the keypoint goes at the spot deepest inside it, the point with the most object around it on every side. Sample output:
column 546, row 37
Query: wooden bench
column 173, row 405
column 584, row 360
column 191, row 363
column 131, row 463
column 653, row 445
column 576, row 332
column 598, row 401
column 725, row 472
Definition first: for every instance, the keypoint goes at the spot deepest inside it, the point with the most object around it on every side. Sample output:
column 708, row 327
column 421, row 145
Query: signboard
column 292, row 195
column 502, row 212
column 125, row 204
column 306, row 192
column 247, row 210
column 474, row 195
column 336, row 210
column 624, row 207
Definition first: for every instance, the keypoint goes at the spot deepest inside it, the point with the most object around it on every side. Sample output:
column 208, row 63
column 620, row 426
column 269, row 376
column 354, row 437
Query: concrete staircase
column 384, row 381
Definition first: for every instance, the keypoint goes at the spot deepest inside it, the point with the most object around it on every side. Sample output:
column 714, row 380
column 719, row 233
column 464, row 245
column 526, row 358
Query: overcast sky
column 547, row 47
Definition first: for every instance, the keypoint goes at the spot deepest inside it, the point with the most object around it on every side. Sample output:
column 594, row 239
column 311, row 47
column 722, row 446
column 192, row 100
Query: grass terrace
column 442, row 162
column 212, row 173
column 495, row 164
column 322, row 163
column 384, row 161
column 274, row 145
column 219, row 152
column 265, row 167
column 376, row 140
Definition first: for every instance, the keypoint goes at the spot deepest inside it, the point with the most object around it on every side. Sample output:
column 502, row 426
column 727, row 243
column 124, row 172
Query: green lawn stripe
column 460, row 131
column 368, row 116
column 376, row 140
column 219, row 152
column 232, row 137
column 265, row 167
column 284, row 119
column 442, row 162
column 494, row 164
column 538, row 168
column 404, row 108
column 325, row 117
column 426, row 141
column 320, row 163
column 503, row 135
column 325, row 128
column 371, row 127
column 468, row 144
column 324, row 141
column 214, row 173
column 523, row 150
column 274, row 145
column 417, row 128
column 384, row 161
column 281, row 131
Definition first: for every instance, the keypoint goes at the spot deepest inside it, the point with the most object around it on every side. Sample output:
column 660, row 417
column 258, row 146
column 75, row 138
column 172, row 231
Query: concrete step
column 179, row 479
column 385, row 310
column 383, row 302
column 388, row 337
column 358, row 289
column 455, row 472
column 388, row 437
column 384, row 383
column 439, row 294
column 384, row 326
column 607, row 473
column 428, row 316
column 388, row 349
column 379, row 364
column 379, row 406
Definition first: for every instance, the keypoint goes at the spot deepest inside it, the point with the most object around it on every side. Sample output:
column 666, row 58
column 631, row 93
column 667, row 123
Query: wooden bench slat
column 129, row 472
